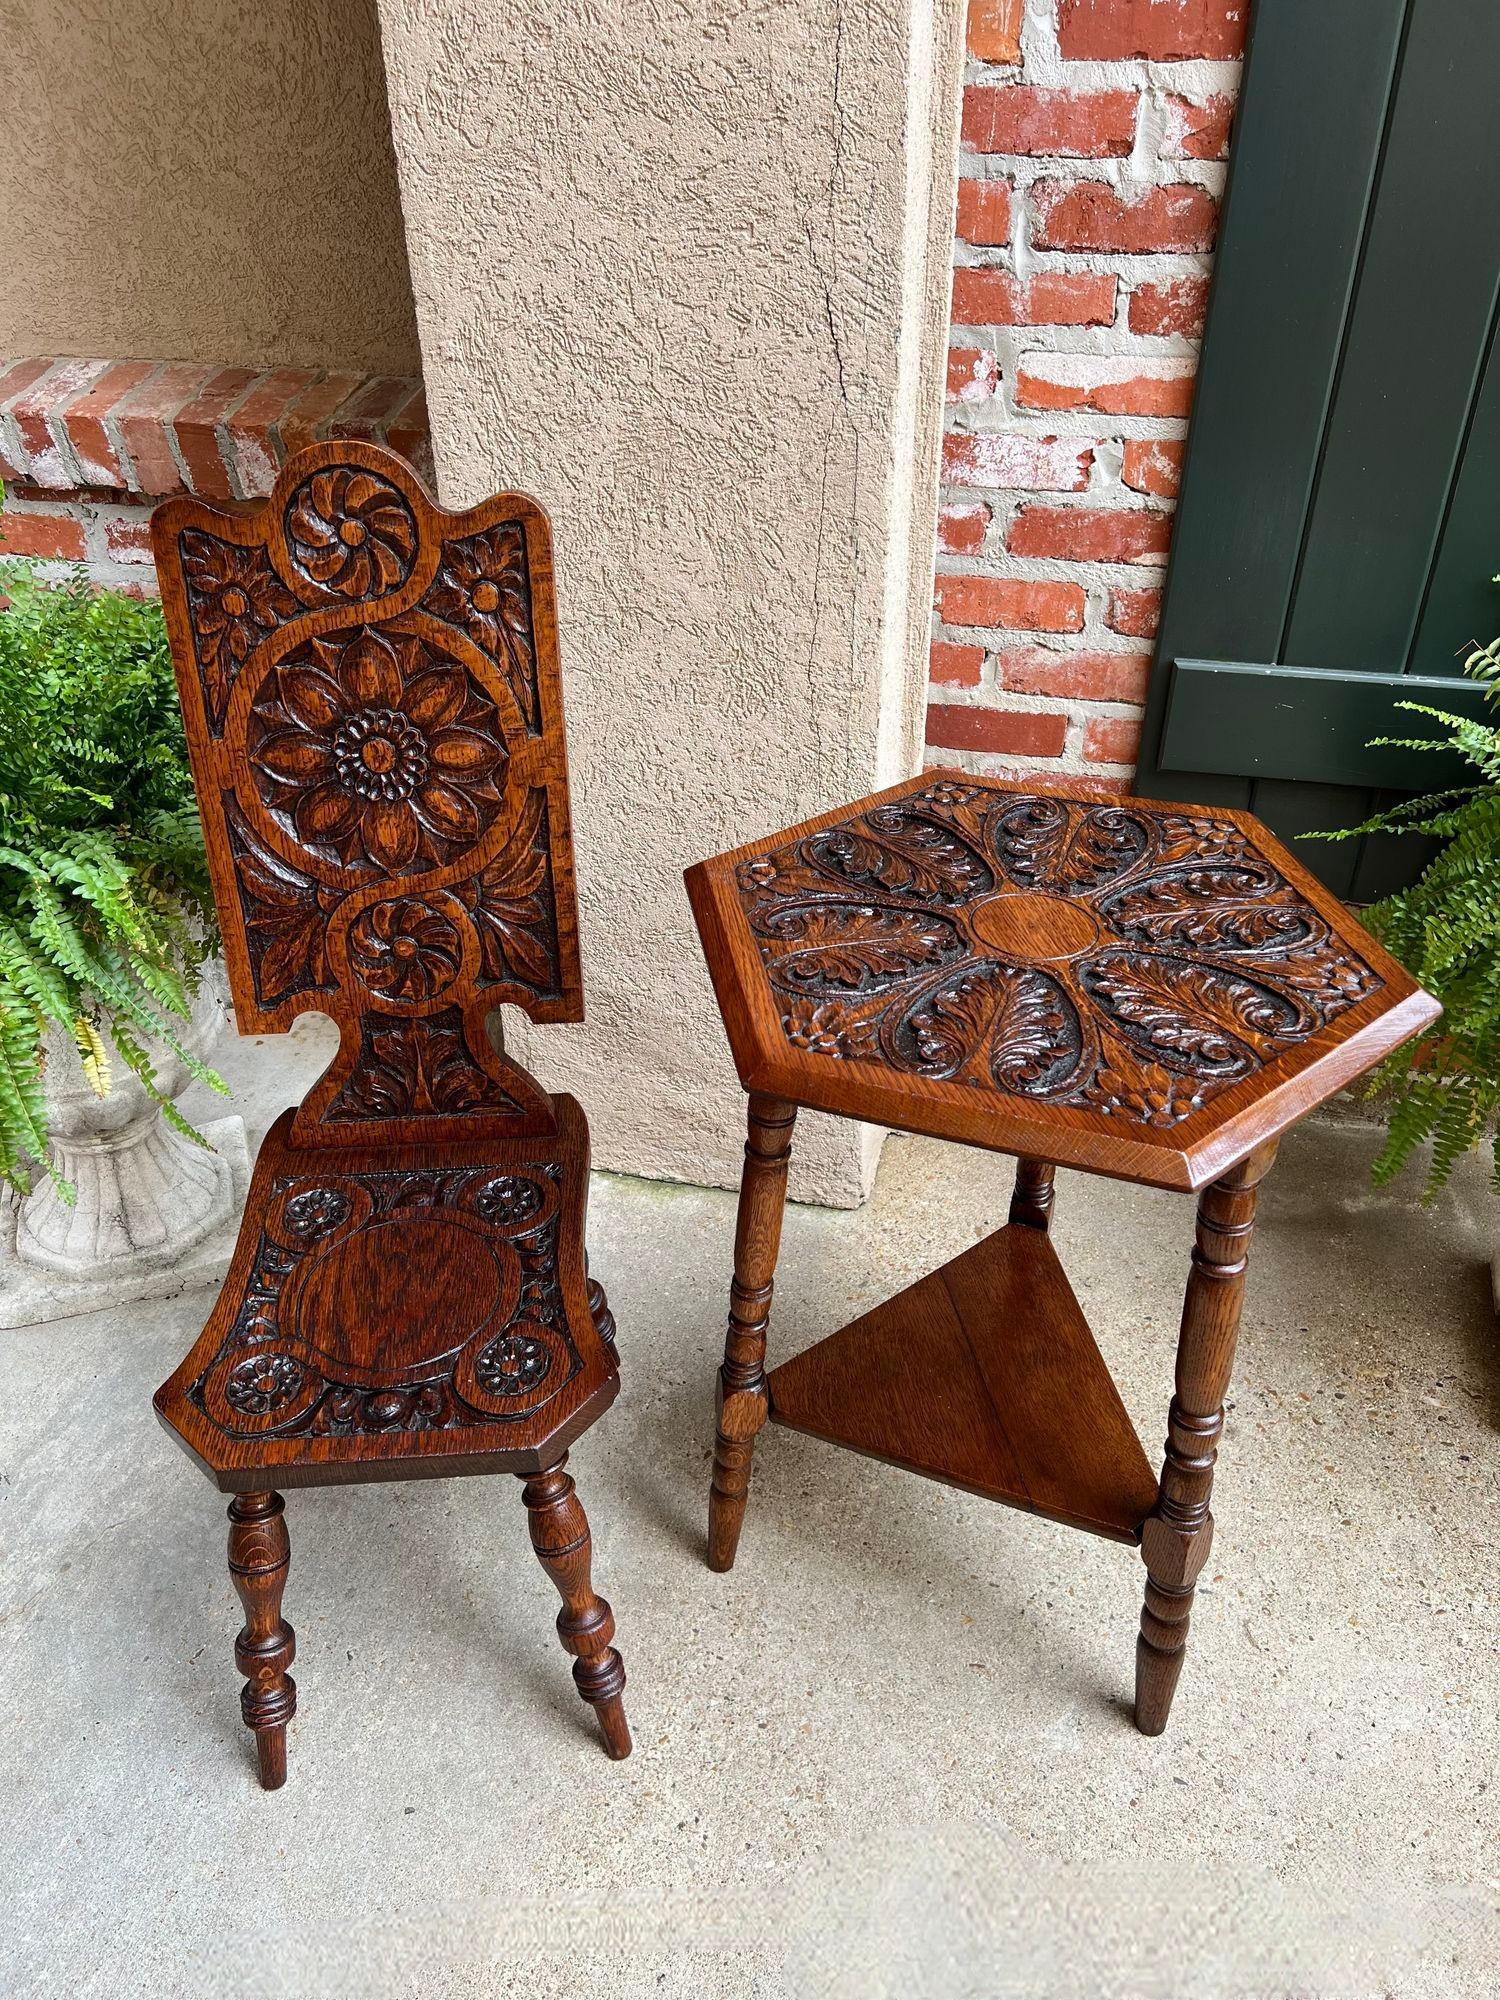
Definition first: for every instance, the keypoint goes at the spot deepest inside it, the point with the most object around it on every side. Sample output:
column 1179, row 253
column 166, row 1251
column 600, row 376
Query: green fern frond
column 106, row 906
column 1443, row 1090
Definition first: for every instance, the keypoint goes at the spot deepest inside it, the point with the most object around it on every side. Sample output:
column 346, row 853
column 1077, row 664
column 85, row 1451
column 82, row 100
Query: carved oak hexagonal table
column 1153, row 992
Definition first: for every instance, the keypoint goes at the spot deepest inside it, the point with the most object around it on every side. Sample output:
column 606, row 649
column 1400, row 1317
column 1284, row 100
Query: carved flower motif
column 508, row 1199
column 816, row 1029
column 950, row 795
column 263, row 1383
column 482, row 588
column 512, row 1364
column 236, row 598
column 351, row 531
column 404, row 949
column 379, row 749
column 316, row 1211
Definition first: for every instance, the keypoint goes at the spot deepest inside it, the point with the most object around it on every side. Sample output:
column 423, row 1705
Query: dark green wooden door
column 1340, row 516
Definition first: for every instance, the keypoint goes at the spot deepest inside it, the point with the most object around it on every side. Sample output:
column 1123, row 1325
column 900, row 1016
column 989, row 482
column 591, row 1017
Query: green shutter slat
column 1463, row 602
column 1280, row 723
column 1416, row 334
column 1294, row 218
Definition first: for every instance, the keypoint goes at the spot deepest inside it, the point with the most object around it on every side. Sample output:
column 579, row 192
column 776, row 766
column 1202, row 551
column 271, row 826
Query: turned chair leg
column 260, row 1554
column 560, row 1536
column 1032, row 1198
column 742, row 1402
column 1178, row 1535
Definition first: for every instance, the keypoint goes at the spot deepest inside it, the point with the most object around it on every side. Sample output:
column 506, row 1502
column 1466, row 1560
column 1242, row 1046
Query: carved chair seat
column 373, row 703
column 427, row 1306
column 1148, row 991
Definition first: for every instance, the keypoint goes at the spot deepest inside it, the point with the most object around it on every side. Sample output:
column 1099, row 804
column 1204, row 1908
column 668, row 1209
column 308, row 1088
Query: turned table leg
column 260, row 1554
column 586, row 1625
column 1177, row 1537
column 742, row 1402
column 1032, row 1198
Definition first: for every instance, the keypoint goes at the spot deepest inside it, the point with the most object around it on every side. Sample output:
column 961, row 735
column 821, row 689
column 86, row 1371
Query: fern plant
column 1445, row 1086
column 105, row 907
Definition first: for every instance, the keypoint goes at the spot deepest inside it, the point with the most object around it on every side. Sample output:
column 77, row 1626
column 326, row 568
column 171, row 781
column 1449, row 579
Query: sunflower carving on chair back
column 373, row 704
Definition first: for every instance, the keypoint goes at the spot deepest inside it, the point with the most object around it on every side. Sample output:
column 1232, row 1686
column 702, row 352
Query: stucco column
column 681, row 271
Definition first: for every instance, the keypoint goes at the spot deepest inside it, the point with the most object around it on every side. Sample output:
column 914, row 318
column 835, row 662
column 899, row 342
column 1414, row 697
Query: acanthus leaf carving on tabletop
column 853, row 946
column 1125, row 961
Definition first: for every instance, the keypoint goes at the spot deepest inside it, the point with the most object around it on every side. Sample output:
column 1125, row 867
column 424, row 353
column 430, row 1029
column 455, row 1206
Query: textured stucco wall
column 681, row 271
column 201, row 180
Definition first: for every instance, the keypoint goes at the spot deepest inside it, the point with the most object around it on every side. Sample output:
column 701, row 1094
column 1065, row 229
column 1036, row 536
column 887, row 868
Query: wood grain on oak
column 1154, row 992
column 1139, row 989
column 373, row 702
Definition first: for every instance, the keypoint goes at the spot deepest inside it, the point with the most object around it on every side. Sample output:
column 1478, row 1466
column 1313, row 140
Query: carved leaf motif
column 1020, row 1016
column 1059, row 845
column 1189, row 1016
column 854, row 947
column 954, row 871
column 483, row 588
column 286, row 925
column 852, row 858
column 413, row 1068
column 1036, row 1042
column 235, row 599
column 1208, row 912
column 512, row 906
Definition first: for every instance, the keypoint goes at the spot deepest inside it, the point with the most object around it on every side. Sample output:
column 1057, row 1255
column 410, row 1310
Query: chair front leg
column 260, row 1555
column 586, row 1625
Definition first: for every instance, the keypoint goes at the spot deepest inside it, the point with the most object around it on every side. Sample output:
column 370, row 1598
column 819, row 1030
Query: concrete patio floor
column 890, row 1755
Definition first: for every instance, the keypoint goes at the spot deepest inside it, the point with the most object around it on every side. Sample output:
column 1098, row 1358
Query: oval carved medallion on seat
column 402, row 1293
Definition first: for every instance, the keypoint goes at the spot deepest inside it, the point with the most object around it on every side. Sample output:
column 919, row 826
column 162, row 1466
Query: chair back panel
column 373, row 703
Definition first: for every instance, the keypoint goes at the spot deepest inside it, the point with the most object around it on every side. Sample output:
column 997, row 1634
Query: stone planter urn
column 153, row 1212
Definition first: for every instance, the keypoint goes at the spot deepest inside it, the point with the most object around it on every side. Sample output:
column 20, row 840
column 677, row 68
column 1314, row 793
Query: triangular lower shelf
column 983, row 1375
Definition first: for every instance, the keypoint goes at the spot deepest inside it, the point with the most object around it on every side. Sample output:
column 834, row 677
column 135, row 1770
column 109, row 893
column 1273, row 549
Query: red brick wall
column 87, row 448
column 1094, row 135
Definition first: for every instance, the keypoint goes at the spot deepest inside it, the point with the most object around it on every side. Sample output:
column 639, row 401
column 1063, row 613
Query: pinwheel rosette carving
column 1133, row 963
column 351, row 533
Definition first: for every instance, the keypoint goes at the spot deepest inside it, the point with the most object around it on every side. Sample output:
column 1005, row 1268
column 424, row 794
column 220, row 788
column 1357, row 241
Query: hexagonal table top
column 1142, row 989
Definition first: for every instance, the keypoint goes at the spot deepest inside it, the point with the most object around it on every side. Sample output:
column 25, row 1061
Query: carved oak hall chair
column 1147, row 991
column 373, row 703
